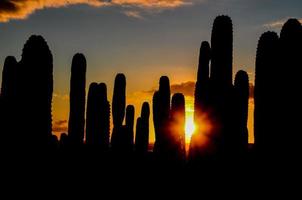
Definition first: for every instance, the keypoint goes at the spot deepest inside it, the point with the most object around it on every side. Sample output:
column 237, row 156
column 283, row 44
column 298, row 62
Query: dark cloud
column 21, row 9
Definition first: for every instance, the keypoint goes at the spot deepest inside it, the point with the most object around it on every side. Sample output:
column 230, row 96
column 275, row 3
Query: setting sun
column 189, row 127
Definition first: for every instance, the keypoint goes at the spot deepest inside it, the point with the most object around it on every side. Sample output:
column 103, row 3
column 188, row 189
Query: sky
column 144, row 39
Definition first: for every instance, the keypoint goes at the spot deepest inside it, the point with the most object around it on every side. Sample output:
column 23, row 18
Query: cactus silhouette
column 178, row 119
column 222, row 51
column 201, row 95
column 289, row 73
column 35, row 87
column 63, row 143
column 161, row 114
column 118, row 108
column 267, row 53
column 77, row 100
column 241, row 100
column 221, row 80
column 129, row 128
column 142, row 130
column 9, row 78
column 8, row 98
column 98, row 117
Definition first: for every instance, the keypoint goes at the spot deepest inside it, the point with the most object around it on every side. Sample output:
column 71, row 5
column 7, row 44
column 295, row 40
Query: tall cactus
column 142, row 130
column 118, row 108
column 129, row 135
column 241, row 101
column 9, row 78
column 8, row 97
column 202, row 87
column 290, row 59
column 161, row 114
column 264, row 117
column 221, row 79
column 222, row 51
column 77, row 100
column 178, row 119
column 98, row 117
column 35, row 87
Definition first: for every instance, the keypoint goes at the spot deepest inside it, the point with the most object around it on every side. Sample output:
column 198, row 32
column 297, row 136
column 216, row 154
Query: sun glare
column 189, row 127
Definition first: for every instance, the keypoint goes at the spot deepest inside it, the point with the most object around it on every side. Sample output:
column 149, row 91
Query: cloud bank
column 21, row 9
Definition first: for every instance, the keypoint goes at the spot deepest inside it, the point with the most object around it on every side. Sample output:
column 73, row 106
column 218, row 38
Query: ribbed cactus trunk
column 76, row 121
column 241, row 102
column 129, row 135
column 142, row 130
column 161, row 115
column 8, row 99
column 202, row 86
column 177, row 127
column 265, row 108
column 118, row 110
column 222, row 52
column 9, row 78
column 98, row 117
column 35, row 87
column 289, row 76
column 221, row 78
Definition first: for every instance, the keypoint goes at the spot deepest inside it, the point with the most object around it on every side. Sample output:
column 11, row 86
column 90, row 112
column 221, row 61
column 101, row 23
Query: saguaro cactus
column 266, row 61
column 222, row 51
column 97, row 117
column 202, row 87
column 76, row 121
column 8, row 98
column 142, row 130
column 129, row 127
column 161, row 114
column 118, row 108
column 288, row 85
column 241, row 101
column 9, row 78
column 35, row 87
column 178, row 119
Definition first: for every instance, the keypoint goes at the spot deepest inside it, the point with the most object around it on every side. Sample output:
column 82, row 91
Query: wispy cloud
column 134, row 14
column 60, row 126
column 63, row 97
column 21, row 9
column 278, row 23
column 186, row 88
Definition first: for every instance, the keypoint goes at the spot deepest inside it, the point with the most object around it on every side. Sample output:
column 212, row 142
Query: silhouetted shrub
column 76, row 121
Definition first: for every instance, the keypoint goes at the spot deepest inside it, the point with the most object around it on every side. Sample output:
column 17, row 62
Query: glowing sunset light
column 189, row 125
